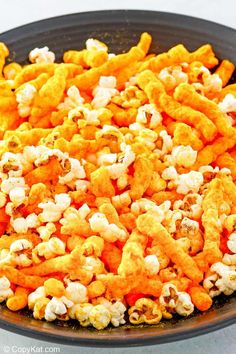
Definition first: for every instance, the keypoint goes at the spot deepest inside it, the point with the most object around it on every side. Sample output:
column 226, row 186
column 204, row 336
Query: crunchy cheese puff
column 143, row 170
column 163, row 196
column 132, row 263
column 111, row 257
column 176, row 55
column 51, row 92
column 101, row 185
column 210, row 221
column 95, row 289
column 19, row 278
column 157, row 184
column 210, row 152
column 30, row 72
column 28, row 137
column 227, row 161
column 19, row 300
column 45, row 173
column 225, row 71
column 229, row 188
column 200, row 298
column 186, row 95
column 4, row 52
column 6, row 241
column 54, row 287
column 155, row 91
column 185, row 135
column 148, row 225
column 89, row 79
column 205, row 55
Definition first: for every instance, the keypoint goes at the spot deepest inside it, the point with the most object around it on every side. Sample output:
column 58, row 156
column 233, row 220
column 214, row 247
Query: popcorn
column 231, row 243
column 19, row 225
column 5, row 289
column 228, row 104
column 76, row 171
column 46, row 231
column 99, row 317
column 12, row 182
column 17, row 196
column 170, row 173
column 35, row 296
column 41, row 55
column 76, row 292
column 32, row 221
column 167, row 145
column 55, row 308
column 84, row 211
column 73, row 99
column 25, row 97
column 175, row 301
column 94, row 44
column 152, row 264
column 184, row 155
column 221, row 280
column 148, row 114
column 52, row 211
column 20, row 245
column 187, row 182
column 104, row 91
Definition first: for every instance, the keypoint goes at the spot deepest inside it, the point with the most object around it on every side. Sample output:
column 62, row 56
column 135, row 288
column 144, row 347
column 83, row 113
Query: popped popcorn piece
column 190, row 181
column 25, row 98
column 122, row 200
column 3, row 199
column 184, row 155
column 167, row 145
column 17, row 196
column 52, row 211
column 228, row 104
column 148, row 114
column 99, row 317
column 73, row 99
column 12, row 182
column 20, row 245
column 117, row 310
column 212, row 82
column 189, row 227
column 50, row 249
column 35, row 296
column 5, row 289
column 32, row 221
column 152, row 264
column 82, row 185
column 45, row 232
column 76, row 171
column 170, row 173
column 172, row 76
column 94, row 44
column 84, row 211
column 221, row 280
column 19, row 225
column 54, row 309
column 76, row 292
column 231, row 243
column 81, row 313
column 41, row 55
column 104, row 91
column 11, row 165
column 229, row 259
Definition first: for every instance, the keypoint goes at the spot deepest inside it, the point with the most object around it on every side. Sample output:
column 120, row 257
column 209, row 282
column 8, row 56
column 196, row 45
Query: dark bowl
column 120, row 29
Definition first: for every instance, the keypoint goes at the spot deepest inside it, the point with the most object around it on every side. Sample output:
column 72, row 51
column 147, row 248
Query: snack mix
column 117, row 183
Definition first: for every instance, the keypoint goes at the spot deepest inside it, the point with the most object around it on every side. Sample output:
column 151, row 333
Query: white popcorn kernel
column 22, row 260
column 94, row 44
column 82, row 185
column 84, row 211
column 187, row 182
column 76, row 172
column 116, row 170
column 17, row 196
column 98, row 222
column 56, row 246
column 121, row 200
column 107, row 82
column 5, row 289
column 25, row 97
column 184, row 155
column 231, row 243
column 184, row 305
column 104, row 91
column 32, row 221
column 148, row 114
column 152, row 264
column 189, row 227
column 20, row 245
column 167, row 145
column 41, row 55
column 73, row 99
column 170, row 173
column 55, row 308
column 12, row 182
column 63, row 201
column 99, row 317
column 76, row 292
column 212, row 82
column 46, row 231
column 3, row 199
column 106, row 159
column 19, row 225
column 51, row 212
column 228, row 104
column 35, row 296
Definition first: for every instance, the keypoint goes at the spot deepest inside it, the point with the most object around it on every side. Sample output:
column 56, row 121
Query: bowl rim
column 224, row 320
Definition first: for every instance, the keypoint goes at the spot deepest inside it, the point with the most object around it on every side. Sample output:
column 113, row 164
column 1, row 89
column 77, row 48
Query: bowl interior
column 120, row 30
